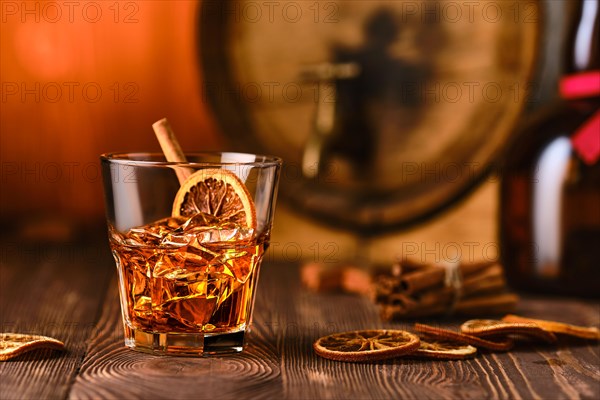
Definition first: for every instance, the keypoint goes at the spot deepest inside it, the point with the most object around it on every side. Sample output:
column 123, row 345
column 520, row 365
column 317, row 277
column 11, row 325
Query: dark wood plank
column 279, row 362
column 527, row 372
column 53, row 290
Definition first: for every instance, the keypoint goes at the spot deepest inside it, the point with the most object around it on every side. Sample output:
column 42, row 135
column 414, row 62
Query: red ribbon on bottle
column 586, row 140
column 577, row 86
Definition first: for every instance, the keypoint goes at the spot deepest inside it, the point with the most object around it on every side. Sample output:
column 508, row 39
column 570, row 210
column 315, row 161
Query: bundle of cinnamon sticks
column 411, row 289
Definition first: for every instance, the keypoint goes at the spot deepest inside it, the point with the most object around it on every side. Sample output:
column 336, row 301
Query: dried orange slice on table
column 366, row 345
column 216, row 192
column 444, row 350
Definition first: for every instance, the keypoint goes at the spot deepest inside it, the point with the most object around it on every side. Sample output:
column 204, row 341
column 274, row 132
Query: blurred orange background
column 83, row 78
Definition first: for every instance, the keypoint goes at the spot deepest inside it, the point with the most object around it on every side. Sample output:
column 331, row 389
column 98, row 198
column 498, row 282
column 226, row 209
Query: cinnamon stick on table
column 347, row 279
column 487, row 281
column 406, row 265
column 481, row 305
column 431, row 276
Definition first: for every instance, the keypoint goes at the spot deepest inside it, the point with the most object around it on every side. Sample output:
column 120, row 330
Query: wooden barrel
column 430, row 94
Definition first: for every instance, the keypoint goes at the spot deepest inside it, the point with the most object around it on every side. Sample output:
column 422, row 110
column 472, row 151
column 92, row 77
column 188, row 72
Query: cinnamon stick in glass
column 171, row 148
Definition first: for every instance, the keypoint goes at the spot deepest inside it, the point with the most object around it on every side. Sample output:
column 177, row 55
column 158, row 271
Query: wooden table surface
column 69, row 292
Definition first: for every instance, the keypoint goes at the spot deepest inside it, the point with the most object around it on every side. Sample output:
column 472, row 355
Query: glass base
column 184, row 344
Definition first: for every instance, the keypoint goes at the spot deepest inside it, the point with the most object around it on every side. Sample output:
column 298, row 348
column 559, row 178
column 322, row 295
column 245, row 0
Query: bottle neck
column 582, row 52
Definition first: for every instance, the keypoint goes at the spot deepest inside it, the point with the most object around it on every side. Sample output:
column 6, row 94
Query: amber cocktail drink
column 188, row 280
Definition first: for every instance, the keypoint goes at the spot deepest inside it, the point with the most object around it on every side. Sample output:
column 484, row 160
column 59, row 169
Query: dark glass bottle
column 550, row 191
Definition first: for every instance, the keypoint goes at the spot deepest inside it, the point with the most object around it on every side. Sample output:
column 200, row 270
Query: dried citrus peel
column 582, row 332
column 463, row 338
column 15, row 344
column 489, row 327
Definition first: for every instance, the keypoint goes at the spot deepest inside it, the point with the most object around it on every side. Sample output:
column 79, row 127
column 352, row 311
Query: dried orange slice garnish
column 216, row 192
column 444, row 350
column 490, row 327
column 582, row 332
column 440, row 334
column 367, row 345
column 15, row 344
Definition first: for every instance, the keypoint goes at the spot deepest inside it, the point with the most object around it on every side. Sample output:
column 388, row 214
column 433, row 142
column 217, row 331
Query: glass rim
column 124, row 158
